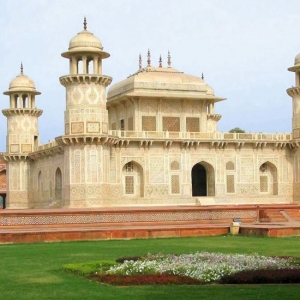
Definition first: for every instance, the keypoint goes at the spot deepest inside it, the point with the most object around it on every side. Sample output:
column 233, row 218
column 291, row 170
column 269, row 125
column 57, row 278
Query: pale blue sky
column 243, row 47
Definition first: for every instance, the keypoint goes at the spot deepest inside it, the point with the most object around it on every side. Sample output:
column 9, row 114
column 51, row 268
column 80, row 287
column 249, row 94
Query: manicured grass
column 34, row 271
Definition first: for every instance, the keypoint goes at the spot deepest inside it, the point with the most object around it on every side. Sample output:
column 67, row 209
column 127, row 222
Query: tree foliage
column 237, row 130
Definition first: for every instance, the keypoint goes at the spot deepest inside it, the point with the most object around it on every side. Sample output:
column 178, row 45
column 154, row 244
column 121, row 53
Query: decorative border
column 124, row 217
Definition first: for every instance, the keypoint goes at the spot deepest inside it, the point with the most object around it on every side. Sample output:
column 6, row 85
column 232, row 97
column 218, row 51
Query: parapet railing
column 202, row 135
column 47, row 146
column 188, row 135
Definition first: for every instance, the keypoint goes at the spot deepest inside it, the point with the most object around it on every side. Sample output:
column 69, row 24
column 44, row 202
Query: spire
column 169, row 60
column 160, row 61
column 84, row 23
column 21, row 68
column 202, row 77
column 140, row 61
column 149, row 59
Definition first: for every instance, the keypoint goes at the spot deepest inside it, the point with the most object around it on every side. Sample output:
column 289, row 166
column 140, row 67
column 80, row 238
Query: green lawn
column 33, row 271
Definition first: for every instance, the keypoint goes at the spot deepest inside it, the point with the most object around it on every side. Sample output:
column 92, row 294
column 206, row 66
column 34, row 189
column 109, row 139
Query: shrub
column 133, row 258
column 263, row 276
column 88, row 268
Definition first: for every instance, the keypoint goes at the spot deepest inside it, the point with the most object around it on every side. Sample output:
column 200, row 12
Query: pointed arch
column 230, row 166
column 133, row 179
column 175, row 166
column 203, row 179
column 58, row 184
column 268, row 178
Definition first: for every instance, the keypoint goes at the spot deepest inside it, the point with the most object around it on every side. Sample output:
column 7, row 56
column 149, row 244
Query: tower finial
column 202, row 77
column 160, row 62
column 169, row 60
column 84, row 23
column 140, row 61
column 21, row 68
column 149, row 59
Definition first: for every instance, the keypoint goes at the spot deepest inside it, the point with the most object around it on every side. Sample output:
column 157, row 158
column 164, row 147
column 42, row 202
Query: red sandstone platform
column 21, row 226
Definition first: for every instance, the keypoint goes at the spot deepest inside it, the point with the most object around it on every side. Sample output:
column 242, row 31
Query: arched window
column 268, row 179
column 40, row 186
column 58, row 184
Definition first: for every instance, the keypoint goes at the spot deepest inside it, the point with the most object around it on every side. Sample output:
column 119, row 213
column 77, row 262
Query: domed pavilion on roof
column 152, row 139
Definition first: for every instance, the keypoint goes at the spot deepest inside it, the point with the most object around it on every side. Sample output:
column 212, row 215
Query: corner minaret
column 294, row 92
column 22, row 138
column 86, row 112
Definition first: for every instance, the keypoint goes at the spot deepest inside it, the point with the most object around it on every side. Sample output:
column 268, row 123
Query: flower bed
column 203, row 266
column 144, row 279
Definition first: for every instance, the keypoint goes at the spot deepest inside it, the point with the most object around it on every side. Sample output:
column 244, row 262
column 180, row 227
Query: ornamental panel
column 26, row 148
column 77, row 127
column 14, row 148
column 93, row 127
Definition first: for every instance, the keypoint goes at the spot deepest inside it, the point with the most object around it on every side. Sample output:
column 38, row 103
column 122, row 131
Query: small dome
column 22, row 81
column 297, row 59
column 85, row 42
column 85, row 39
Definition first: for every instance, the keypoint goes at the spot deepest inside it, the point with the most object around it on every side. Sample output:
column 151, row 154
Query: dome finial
column 169, row 60
column 149, row 59
column 84, row 23
column 140, row 61
column 202, row 77
column 160, row 62
column 21, row 68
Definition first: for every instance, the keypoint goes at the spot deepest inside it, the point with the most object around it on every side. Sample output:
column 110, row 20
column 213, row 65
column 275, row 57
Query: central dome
column 162, row 82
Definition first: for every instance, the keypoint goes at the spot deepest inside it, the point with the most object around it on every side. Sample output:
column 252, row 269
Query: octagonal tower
column 85, row 86
column 22, row 138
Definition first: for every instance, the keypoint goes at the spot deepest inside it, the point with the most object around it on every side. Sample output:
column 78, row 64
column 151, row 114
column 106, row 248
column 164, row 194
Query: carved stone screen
column 149, row 123
column 129, row 185
column 263, row 184
column 171, row 124
column 175, row 184
column 192, row 124
column 230, row 184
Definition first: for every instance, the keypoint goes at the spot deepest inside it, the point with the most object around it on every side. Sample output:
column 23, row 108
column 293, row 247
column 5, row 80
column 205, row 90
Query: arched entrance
column 203, row 180
column 2, row 201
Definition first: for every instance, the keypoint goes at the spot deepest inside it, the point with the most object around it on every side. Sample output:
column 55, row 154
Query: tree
column 237, row 130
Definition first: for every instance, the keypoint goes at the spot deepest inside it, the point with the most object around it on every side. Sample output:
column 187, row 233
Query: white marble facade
column 151, row 140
